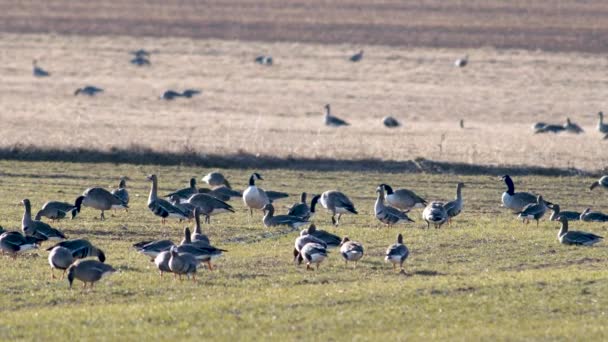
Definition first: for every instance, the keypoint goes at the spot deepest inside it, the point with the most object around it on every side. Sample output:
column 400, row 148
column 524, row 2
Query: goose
column 38, row 71
column 397, row 253
column 140, row 53
column 14, row 243
column 153, row 248
column 351, row 250
column 140, row 61
column 222, row 192
column 190, row 93
column 338, row 203
column 403, row 199
column 435, row 213
column 88, row 90
column 603, row 182
column 357, row 57
column 601, row 126
column 534, row 211
column 538, row 126
column 331, row 120
column 571, row 127
column 515, row 201
column 182, row 264
column 102, row 199
column 593, row 216
column 264, row 60
column 574, row 237
column 455, row 207
column 161, row 207
column 281, row 220
column 390, row 122
column 254, row 197
column 462, row 62
column 302, row 209
column 203, row 253
column 88, row 271
column 162, row 262
column 216, row 179
column 387, row 214
column 550, row 129
column 306, row 236
column 185, row 193
column 209, row 205
column 313, row 253
column 186, row 208
column 556, row 213
column 55, row 210
column 37, row 229
column 122, row 192
column 197, row 237
column 80, row 249
column 60, row 258
column 170, row 95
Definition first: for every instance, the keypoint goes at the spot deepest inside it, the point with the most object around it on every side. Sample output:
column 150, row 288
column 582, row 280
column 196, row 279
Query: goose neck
column 510, row 186
column 153, row 191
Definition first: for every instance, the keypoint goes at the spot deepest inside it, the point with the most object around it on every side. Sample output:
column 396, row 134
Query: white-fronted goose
column 313, row 253
column 387, row 214
column 255, row 197
column 462, row 62
column 593, row 216
column 185, row 207
column 209, row 205
column 403, row 199
column 390, row 122
column 571, row 127
column 603, row 182
column 88, row 90
column 435, row 213
column 122, row 192
column 574, row 237
column 338, row 203
column 351, row 250
column 397, row 253
column 13, row 243
column 534, row 211
column 515, row 201
column 215, row 179
column 601, row 126
column 102, row 199
column 197, row 236
column 281, row 220
column 185, row 193
column 189, row 93
column 88, row 271
column 162, row 262
column 331, row 120
column 38, row 71
column 170, row 95
column 305, row 237
column 302, row 209
column 182, row 264
column 60, row 258
column 81, row 248
column 161, row 207
column 454, row 207
column 55, row 210
column 357, row 57
column 153, row 248
column 38, row 229
column 556, row 213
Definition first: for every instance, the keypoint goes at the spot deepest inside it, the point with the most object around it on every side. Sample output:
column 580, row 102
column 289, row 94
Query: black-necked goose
column 357, row 57
column 153, row 248
column 338, row 203
column 454, row 207
column 161, row 207
column 88, row 90
column 397, row 253
column 593, row 216
column 55, row 210
column 534, row 211
column 331, row 120
column 60, row 258
column 306, row 236
column 281, row 220
column 38, row 71
column 81, row 248
column 88, row 271
column 515, row 201
column 572, row 237
column 13, row 243
column 38, row 229
column 601, row 126
column 313, row 253
column 185, row 193
column 403, row 199
column 351, row 250
column 390, row 122
column 435, row 213
column 209, row 205
column 255, row 197
column 387, row 214
column 102, row 199
column 215, row 179
column 571, row 127
column 183, row 264
column 462, row 62
column 122, row 192
column 603, row 182
column 556, row 213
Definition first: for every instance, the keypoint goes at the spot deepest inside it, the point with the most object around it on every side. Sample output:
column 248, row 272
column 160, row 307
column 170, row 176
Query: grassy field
column 487, row 276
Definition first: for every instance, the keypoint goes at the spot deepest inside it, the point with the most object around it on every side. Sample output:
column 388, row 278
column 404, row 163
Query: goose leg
column 102, row 216
column 209, row 266
column 428, row 225
column 338, row 222
column 250, row 212
column 52, row 274
column 63, row 274
column 333, row 220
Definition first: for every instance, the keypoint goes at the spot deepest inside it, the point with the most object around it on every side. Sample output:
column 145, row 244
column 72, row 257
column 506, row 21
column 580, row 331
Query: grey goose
column 209, row 205
column 331, row 120
column 351, row 250
column 185, row 193
column 182, row 264
column 397, row 253
column 101, row 199
column 270, row 220
column 556, row 212
column 313, row 253
column 357, row 57
column 14, row 243
column 454, row 207
column 88, row 90
column 38, row 71
column 122, row 192
column 216, row 179
column 572, row 237
column 337, row 203
column 403, row 199
column 38, row 229
column 55, row 210
column 593, row 216
column 60, row 258
column 88, row 271
column 534, row 211
column 80, row 249
column 435, row 213
column 387, row 214
column 161, row 207
column 516, row 201
column 602, row 182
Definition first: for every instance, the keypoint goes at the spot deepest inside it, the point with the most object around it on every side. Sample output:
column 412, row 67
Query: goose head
column 400, row 239
column 193, row 182
column 253, row 177
column 71, row 271
column 327, row 109
column 77, row 91
column 268, row 208
column 152, row 178
column 123, row 183
column 387, row 188
column 312, row 229
column 380, row 191
column 344, row 240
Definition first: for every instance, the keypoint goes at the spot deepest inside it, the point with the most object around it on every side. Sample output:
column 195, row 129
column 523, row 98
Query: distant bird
column 182, row 264
column 571, row 127
column 88, row 90
column 435, row 213
column 264, row 60
column 122, row 192
column 255, row 197
column 60, row 258
column 338, row 203
column 462, row 62
column 101, row 199
column 351, row 250
column 55, row 210
column 38, row 71
column 550, row 128
column 331, row 120
column 603, row 182
column 185, row 193
column 270, row 220
column 215, row 179
column 572, row 237
column 170, row 95
column 593, row 216
column 390, row 122
column 397, row 253
column 601, row 126
column 516, row 201
column 357, row 57
column 38, row 229
column 88, row 271
column 189, row 93
column 534, row 211
column 313, row 253
column 140, row 61
column 160, row 207
column 387, row 214
column 403, row 199
column 140, row 53
column 556, row 213
column 13, row 243
column 80, row 249
column 454, row 207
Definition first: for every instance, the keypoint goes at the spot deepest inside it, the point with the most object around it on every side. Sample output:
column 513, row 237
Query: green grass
column 486, row 277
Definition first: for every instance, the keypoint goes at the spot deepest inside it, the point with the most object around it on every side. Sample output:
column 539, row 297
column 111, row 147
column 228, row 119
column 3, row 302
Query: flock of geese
column 570, row 127
column 391, row 207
